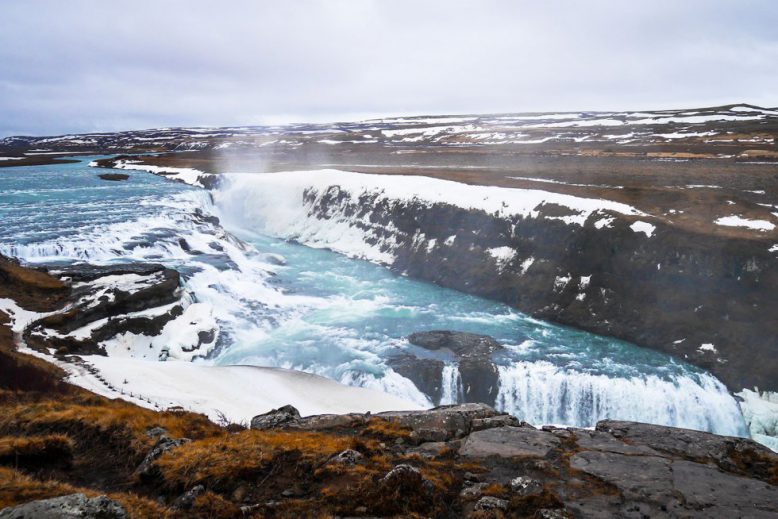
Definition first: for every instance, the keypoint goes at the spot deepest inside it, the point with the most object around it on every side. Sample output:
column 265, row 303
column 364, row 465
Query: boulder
column 276, row 418
column 426, row 374
column 440, row 423
column 464, row 345
column 187, row 499
column 471, row 352
column 526, row 486
column 147, row 470
column 73, row 506
column 680, row 442
column 491, row 503
column 114, row 176
column 509, row 442
column 347, row 457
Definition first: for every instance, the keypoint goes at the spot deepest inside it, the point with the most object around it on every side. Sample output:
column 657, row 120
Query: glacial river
column 288, row 305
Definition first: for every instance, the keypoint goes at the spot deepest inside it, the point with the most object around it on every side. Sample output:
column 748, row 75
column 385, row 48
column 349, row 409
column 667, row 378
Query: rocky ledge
column 451, row 461
column 619, row 469
column 88, row 309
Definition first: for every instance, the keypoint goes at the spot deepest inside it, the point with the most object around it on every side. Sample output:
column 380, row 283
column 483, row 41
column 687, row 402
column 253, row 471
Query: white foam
column 541, row 393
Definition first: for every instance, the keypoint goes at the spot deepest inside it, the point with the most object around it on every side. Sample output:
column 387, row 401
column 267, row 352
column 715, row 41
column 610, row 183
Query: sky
column 85, row 66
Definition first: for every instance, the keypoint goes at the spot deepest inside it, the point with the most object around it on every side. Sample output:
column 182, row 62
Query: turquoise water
column 285, row 304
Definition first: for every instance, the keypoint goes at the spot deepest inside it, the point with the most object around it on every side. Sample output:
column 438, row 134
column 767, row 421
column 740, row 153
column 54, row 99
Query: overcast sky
column 79, row 66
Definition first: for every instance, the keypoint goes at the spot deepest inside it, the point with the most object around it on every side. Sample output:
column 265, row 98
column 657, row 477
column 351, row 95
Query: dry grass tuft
column 121, row 423
column 52, row 448
column 17, row 488
column 386, row 429
column 242, row 456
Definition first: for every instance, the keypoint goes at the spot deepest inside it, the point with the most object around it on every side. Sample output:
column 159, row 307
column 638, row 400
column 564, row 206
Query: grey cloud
column 94, row 65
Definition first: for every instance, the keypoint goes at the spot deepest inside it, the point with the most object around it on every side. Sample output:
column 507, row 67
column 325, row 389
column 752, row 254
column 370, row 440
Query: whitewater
column 265, row 273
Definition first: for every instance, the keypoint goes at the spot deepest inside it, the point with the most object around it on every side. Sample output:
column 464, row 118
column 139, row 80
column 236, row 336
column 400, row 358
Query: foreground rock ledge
column 619, row 469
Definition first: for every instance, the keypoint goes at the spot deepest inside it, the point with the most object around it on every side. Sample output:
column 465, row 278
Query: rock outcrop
column 620, row 469
column 84, row 307
column 471, row 355
column 74, row 506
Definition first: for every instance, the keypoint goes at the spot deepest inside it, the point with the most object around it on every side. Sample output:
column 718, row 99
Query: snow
column 737, row 221
column 187, row 175
column 11, row 158
column 643, row 227
column 774, row 248
column 237, row 392
column 502, row 255
column 604, row 223
column 20, row 317
column 526, row 264
column 707, row 347
column 560, row 282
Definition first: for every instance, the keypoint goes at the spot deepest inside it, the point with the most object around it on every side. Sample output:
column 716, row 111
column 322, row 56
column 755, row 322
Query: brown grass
column 17, row 488
column 386, row 429
column 121, row 423
column 52, row 448
column 243, row 455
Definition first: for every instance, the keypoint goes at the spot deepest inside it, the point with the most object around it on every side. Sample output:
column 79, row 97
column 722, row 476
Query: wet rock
column 148, row 470
column 114, row 176
column 472, row 354
column 426, row 374
column 464, row 345
column 491, row 503
column 508, row 442
column 67, row 507
column 275, row 418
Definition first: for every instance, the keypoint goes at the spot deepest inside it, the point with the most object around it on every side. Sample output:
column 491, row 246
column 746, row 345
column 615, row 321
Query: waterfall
column 451, row 385
column 541, row 393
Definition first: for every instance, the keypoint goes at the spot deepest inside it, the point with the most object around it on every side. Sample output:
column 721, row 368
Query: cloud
column 93, row 65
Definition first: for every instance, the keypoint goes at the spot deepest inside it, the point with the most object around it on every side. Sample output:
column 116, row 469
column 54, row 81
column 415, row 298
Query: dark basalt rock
column 73, row 506
column 92, row 302
column 426, row 374
column 671, row 292
column 472, row 354
column 464, row 345
column 283, row 416
column 114, row 176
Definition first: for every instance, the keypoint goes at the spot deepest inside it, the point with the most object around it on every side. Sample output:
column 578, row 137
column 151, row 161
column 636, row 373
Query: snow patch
column 737, row 221
column 643, row 227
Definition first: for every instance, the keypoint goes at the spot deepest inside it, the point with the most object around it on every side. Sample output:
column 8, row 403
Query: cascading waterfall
column 541, row 393
column 451, row 385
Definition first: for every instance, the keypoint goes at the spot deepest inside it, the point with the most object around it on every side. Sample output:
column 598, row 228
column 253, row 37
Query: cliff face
column 709, row 301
